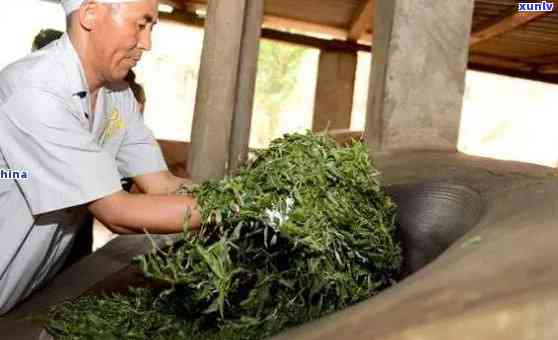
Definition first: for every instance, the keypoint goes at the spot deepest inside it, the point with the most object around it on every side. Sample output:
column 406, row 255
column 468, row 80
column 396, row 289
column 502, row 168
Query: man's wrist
column 186, row 187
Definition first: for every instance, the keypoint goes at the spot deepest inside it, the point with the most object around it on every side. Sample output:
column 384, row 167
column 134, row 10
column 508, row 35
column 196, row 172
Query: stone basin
column 486, row 268
column 431, row 217
column 479, row 238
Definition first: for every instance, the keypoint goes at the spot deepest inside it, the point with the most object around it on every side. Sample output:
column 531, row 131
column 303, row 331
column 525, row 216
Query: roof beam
column 279, row 23
column 509, row 22
column 183, row 17
column 304, row 40
column 495, row 61
column 548, row 63
column 174, row 3
column 190, row 19
column 514, row 68
column 282, row 23
column 547, row 78
column 548, row 69
column 544, row 59
column 193, row 6
column 363, row 19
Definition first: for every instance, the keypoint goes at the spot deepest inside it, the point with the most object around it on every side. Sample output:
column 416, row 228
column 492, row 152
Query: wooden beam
column 217, row 90
column 366, row 38
column 193, row 6
column 191, row 19
column 544, row 59
column 304, row 40
column 548, row 69
column 514, row 68
column 183, row 17
column 244, row 106
column 176, row 156
column 333, row 102
column 179, row 4
column 284, row 24
column 295, row 39
column 345, row 137
column 508, row 23
column 546, row 78
column 362, row 20
column 500, row 62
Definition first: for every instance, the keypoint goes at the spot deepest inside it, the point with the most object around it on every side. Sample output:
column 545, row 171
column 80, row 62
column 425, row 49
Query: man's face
column 120, row 37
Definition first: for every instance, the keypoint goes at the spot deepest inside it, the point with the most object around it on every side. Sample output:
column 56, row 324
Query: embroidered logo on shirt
column 114, row 124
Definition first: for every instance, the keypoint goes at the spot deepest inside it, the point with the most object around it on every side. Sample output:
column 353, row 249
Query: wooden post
column 418, row 73
column 224, row 87
column 246, row 84
column 334, row 92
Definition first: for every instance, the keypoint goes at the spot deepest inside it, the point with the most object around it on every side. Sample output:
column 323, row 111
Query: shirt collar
column 74, row 68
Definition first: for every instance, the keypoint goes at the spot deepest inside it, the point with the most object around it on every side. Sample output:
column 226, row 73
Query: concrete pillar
column 334, row 92
column 224, row 86
column 417, row 79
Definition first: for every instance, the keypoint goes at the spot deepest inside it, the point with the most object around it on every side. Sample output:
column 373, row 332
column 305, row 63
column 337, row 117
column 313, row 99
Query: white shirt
column 72, row 157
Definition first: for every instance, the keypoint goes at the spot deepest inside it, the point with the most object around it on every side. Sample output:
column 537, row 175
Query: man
column 73, row 138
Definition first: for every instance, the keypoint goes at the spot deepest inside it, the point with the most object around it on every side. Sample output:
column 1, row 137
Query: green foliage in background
column 279, row 67
column 302, row 231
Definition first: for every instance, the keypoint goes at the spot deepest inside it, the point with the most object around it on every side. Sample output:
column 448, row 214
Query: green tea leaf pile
column 302, row 231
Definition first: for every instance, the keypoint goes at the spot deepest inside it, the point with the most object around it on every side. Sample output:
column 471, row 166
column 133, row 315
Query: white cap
column 72, row 5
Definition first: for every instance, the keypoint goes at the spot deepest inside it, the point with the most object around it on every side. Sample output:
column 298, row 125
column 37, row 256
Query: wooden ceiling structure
column 503, row 40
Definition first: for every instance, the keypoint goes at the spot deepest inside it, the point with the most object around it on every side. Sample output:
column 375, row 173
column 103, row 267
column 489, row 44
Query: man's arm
column 163, row 182
column 126, row 213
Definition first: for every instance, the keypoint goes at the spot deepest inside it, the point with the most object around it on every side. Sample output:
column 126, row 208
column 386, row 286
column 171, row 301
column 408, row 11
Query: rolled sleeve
column 41, row 134
column 139, row 153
